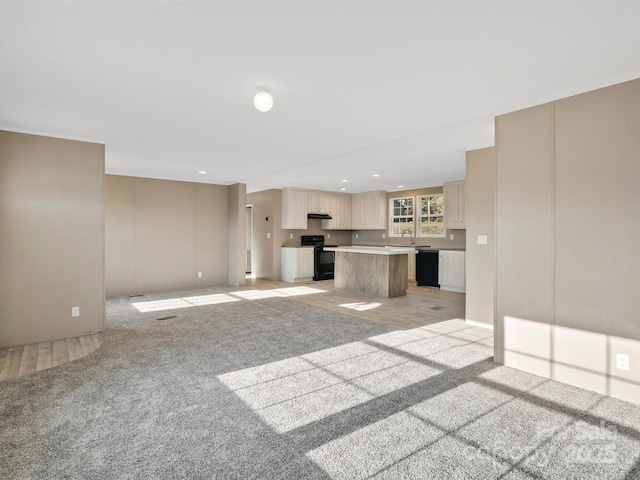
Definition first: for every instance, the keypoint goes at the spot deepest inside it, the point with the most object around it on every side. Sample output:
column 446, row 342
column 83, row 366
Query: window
column 431, row 216
column 401, row 217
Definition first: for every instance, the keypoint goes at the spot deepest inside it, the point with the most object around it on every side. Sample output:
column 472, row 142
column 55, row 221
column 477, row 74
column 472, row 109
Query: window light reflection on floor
column 361, row 306
column 276, row 292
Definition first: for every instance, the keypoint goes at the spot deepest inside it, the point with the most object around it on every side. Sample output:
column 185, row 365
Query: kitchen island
column 379, row 271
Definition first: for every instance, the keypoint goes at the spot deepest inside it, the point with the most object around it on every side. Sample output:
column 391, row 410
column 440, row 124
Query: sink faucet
column 411, row 231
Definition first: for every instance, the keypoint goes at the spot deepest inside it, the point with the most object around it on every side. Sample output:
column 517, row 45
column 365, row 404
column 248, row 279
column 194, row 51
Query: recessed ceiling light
column 376, row 174
column 202, row 172
column 343, row 188
column 344, row 181
column 400, row 186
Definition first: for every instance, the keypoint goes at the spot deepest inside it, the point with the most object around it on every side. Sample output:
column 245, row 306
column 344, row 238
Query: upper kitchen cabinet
column 295, row 207
column 455, row 205
column 369, row 211
column 319, row 202
column 340, row 211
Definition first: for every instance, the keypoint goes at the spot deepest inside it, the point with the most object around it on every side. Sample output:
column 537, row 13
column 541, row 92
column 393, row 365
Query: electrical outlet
column 451, row 237
column 199, row 274
column 622, row 361
column 356, row 235
column 268, row 235
column 383, row 235
column 291, row 235
column 328, row 235
column 75, row 311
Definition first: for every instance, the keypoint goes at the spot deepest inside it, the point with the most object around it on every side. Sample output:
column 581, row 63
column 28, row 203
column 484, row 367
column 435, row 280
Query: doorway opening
column 249, row 240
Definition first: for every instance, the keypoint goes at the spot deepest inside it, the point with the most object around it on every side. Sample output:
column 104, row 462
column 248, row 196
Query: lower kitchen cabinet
column 451, row 270
column 296, row 264
column 412, row 268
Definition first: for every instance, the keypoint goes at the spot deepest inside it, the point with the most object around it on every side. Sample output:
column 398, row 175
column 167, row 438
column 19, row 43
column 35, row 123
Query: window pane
column 435, row 209
column 402, row 226
column 432, row 226
column 402, row 213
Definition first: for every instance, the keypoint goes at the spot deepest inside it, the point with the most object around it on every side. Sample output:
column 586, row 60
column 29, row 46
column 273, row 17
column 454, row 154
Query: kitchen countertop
column 388, row 250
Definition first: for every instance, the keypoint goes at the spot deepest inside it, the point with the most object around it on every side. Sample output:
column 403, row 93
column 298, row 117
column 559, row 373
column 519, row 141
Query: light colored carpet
column 272, row 388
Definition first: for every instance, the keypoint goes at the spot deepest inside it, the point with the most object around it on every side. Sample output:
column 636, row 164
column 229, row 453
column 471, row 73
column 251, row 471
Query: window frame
column 392, row 217
column 419, row 216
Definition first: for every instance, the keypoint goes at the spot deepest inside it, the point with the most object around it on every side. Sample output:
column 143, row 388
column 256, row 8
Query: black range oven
column 323, row 261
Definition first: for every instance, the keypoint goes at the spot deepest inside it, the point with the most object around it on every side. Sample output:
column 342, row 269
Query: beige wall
column 265, row 250
column 161, row 233
column 237, row 234
column 51, row 238
column 525, row 239
column 480, row 259
column 597, row 261
column 567, row 223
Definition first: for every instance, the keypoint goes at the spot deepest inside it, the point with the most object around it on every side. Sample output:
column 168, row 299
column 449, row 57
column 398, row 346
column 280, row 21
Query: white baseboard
column 473, row 323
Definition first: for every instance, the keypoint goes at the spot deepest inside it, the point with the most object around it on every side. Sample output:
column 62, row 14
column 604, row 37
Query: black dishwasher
column 427, row 268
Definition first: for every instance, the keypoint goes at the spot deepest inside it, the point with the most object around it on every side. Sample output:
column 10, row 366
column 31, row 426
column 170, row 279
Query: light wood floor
column 19, row 361
column 421, row 306
column 426, row 311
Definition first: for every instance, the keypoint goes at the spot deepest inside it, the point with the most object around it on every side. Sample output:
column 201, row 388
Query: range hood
column 321, row 216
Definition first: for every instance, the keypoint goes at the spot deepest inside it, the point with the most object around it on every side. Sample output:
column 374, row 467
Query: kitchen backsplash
column 374, row 237
column 314, row 227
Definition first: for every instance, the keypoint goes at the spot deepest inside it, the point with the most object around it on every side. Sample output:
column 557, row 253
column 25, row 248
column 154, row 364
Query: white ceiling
column 401, row 89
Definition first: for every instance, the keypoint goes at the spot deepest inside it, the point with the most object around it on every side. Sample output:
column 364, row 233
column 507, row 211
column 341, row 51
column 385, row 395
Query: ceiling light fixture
column 376, row 174
column 263, row 100
column 400, row 186
column 202, row 172
column 344, row 181
column 343, row 188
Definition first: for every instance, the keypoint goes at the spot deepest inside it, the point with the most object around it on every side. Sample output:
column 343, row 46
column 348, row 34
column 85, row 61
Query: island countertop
column 388, row 250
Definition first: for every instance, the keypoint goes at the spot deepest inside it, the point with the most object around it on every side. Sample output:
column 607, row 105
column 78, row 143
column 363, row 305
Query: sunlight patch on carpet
column 295, row 392
column 217, row 298
column 186, row 302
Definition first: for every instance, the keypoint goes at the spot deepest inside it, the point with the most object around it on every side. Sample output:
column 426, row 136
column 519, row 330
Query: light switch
column 482, row 239
column 268, row 235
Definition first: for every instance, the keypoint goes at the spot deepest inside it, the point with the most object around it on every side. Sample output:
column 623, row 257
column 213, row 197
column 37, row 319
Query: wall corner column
column 237, row 235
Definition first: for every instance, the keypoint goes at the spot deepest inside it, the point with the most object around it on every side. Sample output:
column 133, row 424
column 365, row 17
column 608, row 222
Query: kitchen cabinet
column 369, row 211
column 340, row 211
column 455, row 205
column 296, row 264
column 295, row 207
column 318, row 202
column 412, row 268
column 451, row 270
